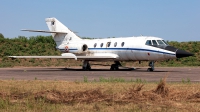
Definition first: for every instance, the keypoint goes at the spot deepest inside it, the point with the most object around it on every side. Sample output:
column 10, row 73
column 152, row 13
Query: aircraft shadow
column 79, row 69
column 124, row 69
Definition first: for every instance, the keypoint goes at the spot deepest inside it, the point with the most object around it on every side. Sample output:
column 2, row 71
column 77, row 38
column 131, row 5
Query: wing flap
column 96, row 57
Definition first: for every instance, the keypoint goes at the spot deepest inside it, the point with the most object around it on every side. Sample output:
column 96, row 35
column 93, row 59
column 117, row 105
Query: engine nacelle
column 76, row 48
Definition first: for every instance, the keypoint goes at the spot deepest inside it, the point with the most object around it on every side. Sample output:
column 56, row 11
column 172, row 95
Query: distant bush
column 1, row 35
column 45, row 45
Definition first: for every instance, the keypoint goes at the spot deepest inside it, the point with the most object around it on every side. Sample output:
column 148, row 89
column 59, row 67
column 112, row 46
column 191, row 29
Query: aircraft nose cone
column 181, row 53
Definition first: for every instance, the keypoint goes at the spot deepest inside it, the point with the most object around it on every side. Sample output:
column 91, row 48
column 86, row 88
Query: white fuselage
column 127, row 48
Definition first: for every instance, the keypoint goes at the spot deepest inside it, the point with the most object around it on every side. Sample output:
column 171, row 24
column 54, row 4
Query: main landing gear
column 115, row 66
column 151, row 64
column 86, row 65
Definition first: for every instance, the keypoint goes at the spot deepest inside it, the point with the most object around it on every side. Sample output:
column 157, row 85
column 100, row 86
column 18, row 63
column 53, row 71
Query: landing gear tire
column 114, row 67
column 151, row 64
column 149, row 69
column 86, row 66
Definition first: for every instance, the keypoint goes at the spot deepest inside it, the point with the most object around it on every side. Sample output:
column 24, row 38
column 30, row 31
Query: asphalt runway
column 173, row 74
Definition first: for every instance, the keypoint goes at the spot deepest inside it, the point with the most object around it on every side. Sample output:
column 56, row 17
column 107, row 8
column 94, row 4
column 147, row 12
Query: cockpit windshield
column 160, row 42
column 156, row 42
column 165, row 42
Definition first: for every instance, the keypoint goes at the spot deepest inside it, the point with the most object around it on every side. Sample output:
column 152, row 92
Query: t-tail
column 60, row 33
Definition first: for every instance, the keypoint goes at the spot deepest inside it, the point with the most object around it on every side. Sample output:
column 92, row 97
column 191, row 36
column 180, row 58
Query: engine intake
column 77, row 48
column 85, row 47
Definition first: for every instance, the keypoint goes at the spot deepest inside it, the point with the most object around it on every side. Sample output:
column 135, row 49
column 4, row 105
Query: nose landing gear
column 151, row 64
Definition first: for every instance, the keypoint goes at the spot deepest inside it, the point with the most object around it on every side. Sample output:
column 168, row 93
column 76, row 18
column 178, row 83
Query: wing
column 106, row 56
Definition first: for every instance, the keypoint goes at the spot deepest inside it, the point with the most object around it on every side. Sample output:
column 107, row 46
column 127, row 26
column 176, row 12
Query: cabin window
column 160, row 42
column 154, row 42
column 95, row 45
column 115, row 44
column 108, row 44
column 148, row 42
column 122, row 44
column 101, row 45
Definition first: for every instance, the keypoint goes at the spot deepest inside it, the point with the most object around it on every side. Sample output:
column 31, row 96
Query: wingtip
column 13, row 57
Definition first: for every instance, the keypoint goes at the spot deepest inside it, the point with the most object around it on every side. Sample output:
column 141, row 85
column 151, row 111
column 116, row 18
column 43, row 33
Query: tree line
column 45, row 45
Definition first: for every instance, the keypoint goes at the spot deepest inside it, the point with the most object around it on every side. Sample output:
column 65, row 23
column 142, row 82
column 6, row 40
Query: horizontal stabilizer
column 43, row 31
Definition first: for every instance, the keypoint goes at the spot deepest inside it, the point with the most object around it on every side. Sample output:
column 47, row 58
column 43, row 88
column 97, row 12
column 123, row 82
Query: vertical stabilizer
column 60, row 38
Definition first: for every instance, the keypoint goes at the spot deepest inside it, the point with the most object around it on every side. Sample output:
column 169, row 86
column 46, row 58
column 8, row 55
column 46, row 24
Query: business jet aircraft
column 143, row 48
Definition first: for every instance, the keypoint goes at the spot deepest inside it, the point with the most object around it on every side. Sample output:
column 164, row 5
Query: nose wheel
column 151, row 64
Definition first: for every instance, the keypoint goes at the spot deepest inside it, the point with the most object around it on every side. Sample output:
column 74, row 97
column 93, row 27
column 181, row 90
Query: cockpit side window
column 154, row 42
column 165, row 42
column 160, row 42
column 148, row 42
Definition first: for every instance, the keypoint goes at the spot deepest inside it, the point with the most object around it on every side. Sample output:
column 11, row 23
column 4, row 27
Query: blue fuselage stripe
column 136, row 49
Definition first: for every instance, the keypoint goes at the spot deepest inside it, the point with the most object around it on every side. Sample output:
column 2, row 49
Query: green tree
column 1, row 35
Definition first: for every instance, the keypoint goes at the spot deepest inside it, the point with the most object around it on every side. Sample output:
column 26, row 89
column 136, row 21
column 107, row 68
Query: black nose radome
column 181, row 53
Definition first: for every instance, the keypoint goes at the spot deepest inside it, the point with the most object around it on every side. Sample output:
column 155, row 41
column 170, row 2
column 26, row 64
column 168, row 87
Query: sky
column 172, row 20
